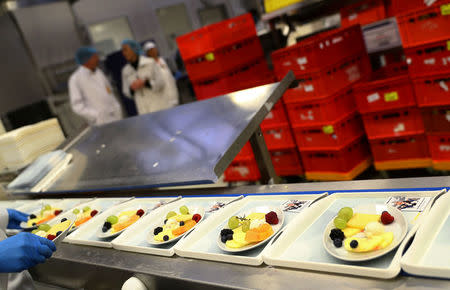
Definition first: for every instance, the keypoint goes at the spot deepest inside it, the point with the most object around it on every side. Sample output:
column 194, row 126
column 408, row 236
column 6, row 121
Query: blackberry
column 32, row 216
column 58, row 233
column 157, row 230
column 63, row 220
column 337, row 234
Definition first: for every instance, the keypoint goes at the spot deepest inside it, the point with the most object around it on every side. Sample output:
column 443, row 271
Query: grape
column 112, row 219
column 346, row 213
column 184, row 210
column 86, row 209
column 35, row 231
column 47, row 207
column 245, row 225
column 76, row 211
column 340, row 223
column 170, row 214
column 44, row 227
column 233, row 222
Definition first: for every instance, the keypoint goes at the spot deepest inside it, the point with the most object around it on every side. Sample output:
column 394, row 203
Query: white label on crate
column 308, row 88
column 373, row 98
column 309, row 139
column 430, row 61
column 277, row 135
column 392, row 151
column 409, row 61
column 287, row 63
column 353, row 73
column 399, row 128
column 302, row 60
column 429, row 2
column 443, row 85
column 309, row 116
column 444, row 148
column 353, row 16
column 321, row 45
column 243, row 171
column 337, row 39
column 447, row 116
column 446, row 60
column 327, row 43
column 269, row 116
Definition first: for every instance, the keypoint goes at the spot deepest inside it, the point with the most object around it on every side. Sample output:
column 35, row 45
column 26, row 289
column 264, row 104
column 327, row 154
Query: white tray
column 134, row 238
column 429, row 254
column 201, row 243
column 87, row 234
column 300, row 245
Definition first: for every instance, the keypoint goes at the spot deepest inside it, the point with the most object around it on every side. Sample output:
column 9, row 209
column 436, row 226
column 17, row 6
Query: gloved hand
column 24, row 251
column 15, row 218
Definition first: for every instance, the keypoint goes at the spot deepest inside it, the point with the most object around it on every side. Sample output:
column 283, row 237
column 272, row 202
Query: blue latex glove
column 15, row 218
column 23, row 251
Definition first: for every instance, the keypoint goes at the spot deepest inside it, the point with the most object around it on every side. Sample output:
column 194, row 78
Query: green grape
column 47, row 207
column 346, row 213
column 184, row 210
column 340, row 223
column 35, row 231
column 44, row 227
column 233, row 222
column 170, row 214
column 112, row 219
column 86, row 209
column 76, row 211
column 245, row 225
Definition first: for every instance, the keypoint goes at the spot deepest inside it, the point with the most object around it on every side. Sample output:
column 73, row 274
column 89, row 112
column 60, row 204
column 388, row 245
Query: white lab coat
column 12, row 281
column 147, row 99
column 170, row 89
column 91, row 97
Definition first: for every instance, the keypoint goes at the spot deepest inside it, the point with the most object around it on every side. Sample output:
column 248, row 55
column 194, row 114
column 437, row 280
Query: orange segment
column 120, row 226
column 187, row 226
column 46, row 219
column 82, row 221
column 258, row 234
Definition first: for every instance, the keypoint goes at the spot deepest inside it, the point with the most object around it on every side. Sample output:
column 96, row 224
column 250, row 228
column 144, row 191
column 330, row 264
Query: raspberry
column 140, row 212
column 51, row 237
column 94, row 212
column 57, row 212
column 272, row 218
column 386, row 218
column 196, row 217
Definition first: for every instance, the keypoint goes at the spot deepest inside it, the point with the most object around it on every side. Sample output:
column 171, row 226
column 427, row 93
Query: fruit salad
column 251, row 229
column 176, row 224
column 83, row 215
column 47, row 213
column 361, row 232
column 118, row 223
column 51, row 232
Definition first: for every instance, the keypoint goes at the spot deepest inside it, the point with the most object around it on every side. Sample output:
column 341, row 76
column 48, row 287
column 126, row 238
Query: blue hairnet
column 84, row 54
column 134, row 45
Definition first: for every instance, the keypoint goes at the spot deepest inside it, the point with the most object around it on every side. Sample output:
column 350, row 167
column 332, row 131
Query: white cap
column 149, row 45
column 134, row 284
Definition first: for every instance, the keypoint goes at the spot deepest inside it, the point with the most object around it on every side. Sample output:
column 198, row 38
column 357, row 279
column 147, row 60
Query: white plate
column 63, row 235
column 160, row 222
column 260, row 209
column 108, row 234
column 399, row 227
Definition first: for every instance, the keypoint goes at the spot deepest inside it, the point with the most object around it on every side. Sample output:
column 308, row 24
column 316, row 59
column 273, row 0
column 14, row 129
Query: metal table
column 98, row 268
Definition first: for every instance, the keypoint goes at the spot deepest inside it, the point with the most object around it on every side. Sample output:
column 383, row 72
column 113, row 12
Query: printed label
column 429, row 2
column 329, row 129
column 444, row 148
column 445, row 9
column 373, row 98
column 309, row 116
column 447, row 116
column 443, row 85
column 430, row 61
column 391, row 97
column 302, row 60
column 404, row 203
column 337, row 39
column 353, row 16
column 399, row 128
column 309, row 88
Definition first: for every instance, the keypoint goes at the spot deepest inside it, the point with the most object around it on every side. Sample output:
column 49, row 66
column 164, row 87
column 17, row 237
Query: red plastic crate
column 429, row 58
column 247, row 76
column 242, row 171
column 278, row 137
column 245, row 154
column 323, row 136
column 319, row 51
column 363, row 12
column 310, row 111
column 436, row 119
column 275, row 117
column 390, row 70
column 395, row 7
column 439, row 146
column 286, row 162
column 399, row 148
column 224, row 59
column 433, row 90
column 424, row 25
column 214, row 36
column 329, row 80
column 381, row 95
column 342, row 159
column 398, row 122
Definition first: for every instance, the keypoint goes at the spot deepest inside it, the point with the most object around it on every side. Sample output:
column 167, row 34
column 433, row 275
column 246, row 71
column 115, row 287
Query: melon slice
column 360, row 220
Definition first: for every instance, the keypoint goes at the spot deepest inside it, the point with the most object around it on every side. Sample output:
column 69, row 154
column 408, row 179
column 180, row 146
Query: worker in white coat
column 90, row 92
column 170, row 89
column 142, row 80
column 20, row 252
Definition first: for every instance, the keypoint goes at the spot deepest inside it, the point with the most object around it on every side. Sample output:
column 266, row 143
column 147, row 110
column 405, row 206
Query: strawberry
column 196, row 217
column 386, row 218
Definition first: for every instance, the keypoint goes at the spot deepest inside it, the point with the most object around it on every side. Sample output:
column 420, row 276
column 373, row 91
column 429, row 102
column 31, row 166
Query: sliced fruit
column 112, row 219
column 350, row 232
column 238, row 240
column 388, row 237
column 59, row 227
column 170, row 214
column 360, row 220
column 183, row 217
column 120, row 226
column 184, row 210
column 258, row 234
column 46, row 219
column 364, row 244
column 44, row 227
column 187, row 226
column 256, row 215
column 82, row 221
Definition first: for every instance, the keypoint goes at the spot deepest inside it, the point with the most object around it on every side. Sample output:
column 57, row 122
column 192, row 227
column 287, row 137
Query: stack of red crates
column 224, row 57
column 426, row 37
column 363, row 12
column 327, row 129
